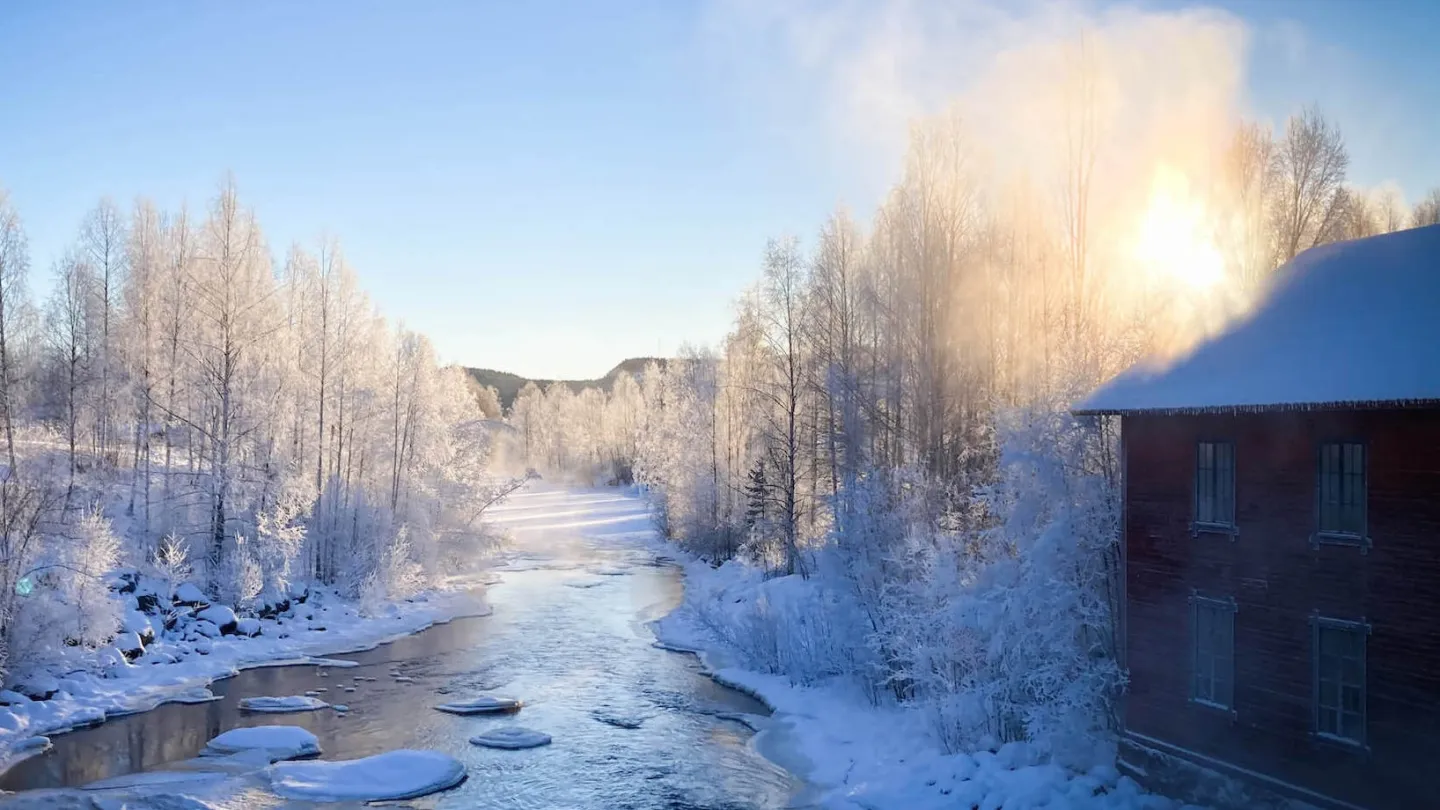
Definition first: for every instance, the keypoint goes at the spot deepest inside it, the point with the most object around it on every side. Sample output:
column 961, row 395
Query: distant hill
column 508, row 385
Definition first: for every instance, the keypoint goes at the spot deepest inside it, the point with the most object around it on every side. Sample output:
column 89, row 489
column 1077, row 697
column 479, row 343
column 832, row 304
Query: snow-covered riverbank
column 854, row 753
column 178, row 670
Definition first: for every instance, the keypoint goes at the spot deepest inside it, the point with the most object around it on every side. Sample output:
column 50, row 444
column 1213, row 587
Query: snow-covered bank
column 173, row 669
column 856, row 754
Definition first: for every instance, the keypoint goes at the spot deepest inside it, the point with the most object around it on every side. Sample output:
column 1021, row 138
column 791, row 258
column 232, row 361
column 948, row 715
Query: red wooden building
column 1281, row 618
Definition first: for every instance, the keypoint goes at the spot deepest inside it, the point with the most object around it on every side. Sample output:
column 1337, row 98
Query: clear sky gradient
column 542, row 187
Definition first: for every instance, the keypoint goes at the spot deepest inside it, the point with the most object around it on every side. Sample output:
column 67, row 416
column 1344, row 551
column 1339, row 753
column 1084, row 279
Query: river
column 568, row 636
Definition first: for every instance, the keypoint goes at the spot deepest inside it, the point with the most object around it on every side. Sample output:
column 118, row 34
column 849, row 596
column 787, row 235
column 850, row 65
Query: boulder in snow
column 190, row 595
column 511, row 738
column 248, row 626
column 130, row 645
column 278, row 742
column 147, row 603
column 139, row 624
column 9, row 697
column 221, row 616
column 392, row 776
column 485, row 704
column 281, row 705
column 38, row 686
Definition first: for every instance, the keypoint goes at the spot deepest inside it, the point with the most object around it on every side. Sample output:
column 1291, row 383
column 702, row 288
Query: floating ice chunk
column 392, row 776
column 279, row 705
column 485, row 704
column 618, row 719
column 404, row 679
column 277, row 742
column 511, row 738
column 348, row 688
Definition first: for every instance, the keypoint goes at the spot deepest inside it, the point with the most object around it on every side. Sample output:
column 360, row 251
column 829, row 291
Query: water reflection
column 576, row 655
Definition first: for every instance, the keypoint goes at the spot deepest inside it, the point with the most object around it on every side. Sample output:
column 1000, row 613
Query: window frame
column 1198, row 526
column 1333, row 536
column 1225, row 607
column 1361, row 628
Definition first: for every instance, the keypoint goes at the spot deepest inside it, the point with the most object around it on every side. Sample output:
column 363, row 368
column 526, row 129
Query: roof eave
column 1338, row 405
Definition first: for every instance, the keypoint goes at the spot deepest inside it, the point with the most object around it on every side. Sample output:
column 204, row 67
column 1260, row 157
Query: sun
column 1173, row 240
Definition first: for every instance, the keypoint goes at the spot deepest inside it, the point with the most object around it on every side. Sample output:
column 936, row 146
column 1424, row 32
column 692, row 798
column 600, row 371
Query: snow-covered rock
column 189, row 594
column 9, row 697
column 139, row 624
column 485, row 704
column 511, row 738
column 278, row 742
column 109, row 659
column 38, row 686
column 221, row 616
column 129, row 644
column 207, row 629
column 392, row 776
column 279, row 705
column 248, row 626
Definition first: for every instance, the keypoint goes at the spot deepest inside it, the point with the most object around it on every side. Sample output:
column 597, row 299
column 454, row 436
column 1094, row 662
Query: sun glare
column 1173, row 240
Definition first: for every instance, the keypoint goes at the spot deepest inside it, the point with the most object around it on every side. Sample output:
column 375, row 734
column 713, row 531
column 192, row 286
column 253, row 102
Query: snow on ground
column 857, row 755
column 392, row 776
column 278, row 742
column 175, row 669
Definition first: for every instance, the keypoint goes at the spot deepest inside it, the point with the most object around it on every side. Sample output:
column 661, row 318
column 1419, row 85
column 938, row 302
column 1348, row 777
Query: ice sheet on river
column 394, row 775
column 278, row 705
column 511, row 738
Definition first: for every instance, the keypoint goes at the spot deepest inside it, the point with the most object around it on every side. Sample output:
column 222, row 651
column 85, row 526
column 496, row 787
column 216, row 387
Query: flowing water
column 568, row 636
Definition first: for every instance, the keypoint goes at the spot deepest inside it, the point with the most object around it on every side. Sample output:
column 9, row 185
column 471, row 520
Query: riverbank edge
column 24, row 727
column 854, row 755
column 792, row 736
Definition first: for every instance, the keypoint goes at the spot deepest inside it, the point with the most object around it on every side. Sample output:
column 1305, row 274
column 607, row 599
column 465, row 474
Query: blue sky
column 542, row 187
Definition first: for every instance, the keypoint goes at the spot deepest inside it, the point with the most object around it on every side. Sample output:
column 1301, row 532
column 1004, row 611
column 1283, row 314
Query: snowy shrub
column 171, row 562
column 241, row 576
column 396, row 574
column 279, row 539
column 1007, row 632
column 70, row 599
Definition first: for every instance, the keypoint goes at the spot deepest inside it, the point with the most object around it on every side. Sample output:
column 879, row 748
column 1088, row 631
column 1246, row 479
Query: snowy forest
column 177, row 408
column 882, row 446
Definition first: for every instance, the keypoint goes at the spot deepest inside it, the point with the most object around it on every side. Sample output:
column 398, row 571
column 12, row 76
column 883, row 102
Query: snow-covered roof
column 1350, row 324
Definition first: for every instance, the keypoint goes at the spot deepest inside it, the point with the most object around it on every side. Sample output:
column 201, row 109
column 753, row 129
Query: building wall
column 1279, row 580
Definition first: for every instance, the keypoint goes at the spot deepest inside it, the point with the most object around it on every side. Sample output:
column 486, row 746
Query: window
column 1215, row 485
column 1342, row 490
column 1212, row 633
column 1340, row 679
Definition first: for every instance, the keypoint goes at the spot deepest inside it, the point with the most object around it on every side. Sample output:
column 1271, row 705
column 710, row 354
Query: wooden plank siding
column 1279, row 580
